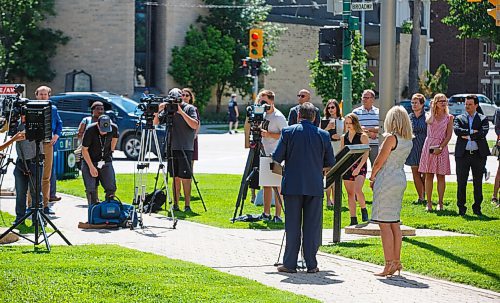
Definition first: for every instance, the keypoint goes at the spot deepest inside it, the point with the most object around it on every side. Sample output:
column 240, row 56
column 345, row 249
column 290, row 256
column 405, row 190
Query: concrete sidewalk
column 252, row 253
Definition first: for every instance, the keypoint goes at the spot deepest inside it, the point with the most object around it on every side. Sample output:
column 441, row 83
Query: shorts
column 180, row 166
column 232, row 118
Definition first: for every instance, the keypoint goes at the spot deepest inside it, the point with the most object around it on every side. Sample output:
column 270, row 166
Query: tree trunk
column 414, row 47
column 218, row 92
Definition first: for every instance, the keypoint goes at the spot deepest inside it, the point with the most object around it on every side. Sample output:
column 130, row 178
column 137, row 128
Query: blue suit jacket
column 306, row 150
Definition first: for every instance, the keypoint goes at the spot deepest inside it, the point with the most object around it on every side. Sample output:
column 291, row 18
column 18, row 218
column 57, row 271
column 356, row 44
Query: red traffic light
column 255, row 36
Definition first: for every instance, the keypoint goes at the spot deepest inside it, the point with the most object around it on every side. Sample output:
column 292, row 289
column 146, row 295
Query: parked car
column 74, row 106
column 456, row 105
column 407, row 105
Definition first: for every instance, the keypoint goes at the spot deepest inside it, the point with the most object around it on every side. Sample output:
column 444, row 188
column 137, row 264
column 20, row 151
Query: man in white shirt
column 270, row 137
column 368, row 116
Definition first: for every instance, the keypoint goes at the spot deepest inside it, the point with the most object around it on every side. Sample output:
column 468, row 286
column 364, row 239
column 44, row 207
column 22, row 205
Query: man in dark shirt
column 303, row 96
column 184, row 125
column 99, row 142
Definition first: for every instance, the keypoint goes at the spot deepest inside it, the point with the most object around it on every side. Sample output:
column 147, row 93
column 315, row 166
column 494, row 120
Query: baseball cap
column 233, row 95
column 104, row 123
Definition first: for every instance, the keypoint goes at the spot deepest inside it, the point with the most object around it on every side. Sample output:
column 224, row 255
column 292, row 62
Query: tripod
column 39, row 219
column 149, row 137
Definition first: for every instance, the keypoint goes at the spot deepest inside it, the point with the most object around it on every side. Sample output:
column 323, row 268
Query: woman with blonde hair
column 355, row 177
column 435, row 158
column 335, row 127
column 388, row 181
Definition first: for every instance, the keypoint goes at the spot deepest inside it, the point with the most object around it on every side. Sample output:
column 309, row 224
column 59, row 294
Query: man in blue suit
column 307, row 151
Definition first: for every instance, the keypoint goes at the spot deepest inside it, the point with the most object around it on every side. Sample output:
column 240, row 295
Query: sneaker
column 286, row 270
column 235, row 131
column 54, row 199
column 187, row 208
column 277, row 219
column 48, row 211
column 176, row 207
column 265, row 217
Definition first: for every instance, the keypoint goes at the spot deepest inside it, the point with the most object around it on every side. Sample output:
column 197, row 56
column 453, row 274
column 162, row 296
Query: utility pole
column 346, row 57
column 387, row 70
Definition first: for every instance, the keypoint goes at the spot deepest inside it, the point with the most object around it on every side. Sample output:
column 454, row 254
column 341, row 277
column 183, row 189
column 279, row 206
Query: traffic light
column 244, row 67
column 495, row 12
column 330, row 43
column 255, row 64
column 256, row 43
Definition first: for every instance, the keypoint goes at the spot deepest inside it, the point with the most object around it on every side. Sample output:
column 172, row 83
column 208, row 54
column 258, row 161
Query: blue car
column 74, row 106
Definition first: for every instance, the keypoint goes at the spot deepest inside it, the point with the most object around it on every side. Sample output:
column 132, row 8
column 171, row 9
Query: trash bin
column 64, row 154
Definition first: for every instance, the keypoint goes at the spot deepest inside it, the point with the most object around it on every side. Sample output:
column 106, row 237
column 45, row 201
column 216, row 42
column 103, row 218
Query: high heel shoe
column 396, row 267
column 440, row 207
column 387, row 269
column 428, row 207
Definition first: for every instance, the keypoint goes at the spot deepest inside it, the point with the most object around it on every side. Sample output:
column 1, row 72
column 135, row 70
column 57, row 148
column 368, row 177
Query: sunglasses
column 330, row 107
column 442, row 101
column 301, row 96
column 186, row 95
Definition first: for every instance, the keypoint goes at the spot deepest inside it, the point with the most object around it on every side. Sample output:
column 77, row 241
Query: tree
column 202, row 62
column 25, row 46
column 414, row 47
column 432, row 84
column 473, row 21
column 327, row 80
column 234, row 21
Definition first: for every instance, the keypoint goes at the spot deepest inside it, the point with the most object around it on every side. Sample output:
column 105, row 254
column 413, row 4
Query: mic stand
column 39, row 219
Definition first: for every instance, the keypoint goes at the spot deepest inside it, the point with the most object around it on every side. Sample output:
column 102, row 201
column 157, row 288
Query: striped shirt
column 368, row 118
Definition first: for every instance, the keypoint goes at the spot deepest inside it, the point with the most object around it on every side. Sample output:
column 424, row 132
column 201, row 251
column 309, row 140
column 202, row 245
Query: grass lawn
column 471, row 260
column 110, row 273
column 220, row 192
column 7, row 219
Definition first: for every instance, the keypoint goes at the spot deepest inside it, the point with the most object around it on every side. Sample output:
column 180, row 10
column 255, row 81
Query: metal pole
column 346, row 56
column 387, row 58
column 255, row 88
column 362, row 29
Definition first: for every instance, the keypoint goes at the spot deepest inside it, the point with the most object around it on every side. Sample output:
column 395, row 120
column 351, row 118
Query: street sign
column 362, row 6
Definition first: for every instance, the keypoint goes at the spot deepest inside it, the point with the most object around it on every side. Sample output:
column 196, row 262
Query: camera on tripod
column 12, row 109
column 149, row 106
column 255, row 114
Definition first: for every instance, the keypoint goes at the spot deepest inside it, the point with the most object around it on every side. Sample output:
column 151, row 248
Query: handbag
column 495, row 150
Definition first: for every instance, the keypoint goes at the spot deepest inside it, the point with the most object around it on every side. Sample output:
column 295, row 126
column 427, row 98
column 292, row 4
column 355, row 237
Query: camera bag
column 154, row 201
column 112, row 212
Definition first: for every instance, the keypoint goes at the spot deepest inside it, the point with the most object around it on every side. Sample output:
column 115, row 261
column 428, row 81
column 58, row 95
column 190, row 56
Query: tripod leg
column 44, row 232
column 56, row 230
column 244, row 183
column 165, row 180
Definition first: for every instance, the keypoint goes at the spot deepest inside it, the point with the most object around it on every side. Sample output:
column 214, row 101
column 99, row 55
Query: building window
column 144, row 26
column 372, row 63
column 485, row 54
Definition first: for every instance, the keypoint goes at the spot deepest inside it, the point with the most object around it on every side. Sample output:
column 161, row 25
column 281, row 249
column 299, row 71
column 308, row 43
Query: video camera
column 255, row 114
column 12, row 109
column 149, row 106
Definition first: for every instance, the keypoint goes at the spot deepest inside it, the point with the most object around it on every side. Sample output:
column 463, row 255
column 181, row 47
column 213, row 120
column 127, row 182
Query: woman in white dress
column 388, row 181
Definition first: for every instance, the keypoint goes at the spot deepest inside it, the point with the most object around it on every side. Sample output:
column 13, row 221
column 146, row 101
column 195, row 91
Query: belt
column 472, row 152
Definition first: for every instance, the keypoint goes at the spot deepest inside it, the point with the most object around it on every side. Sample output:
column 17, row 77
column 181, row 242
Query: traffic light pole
column 346, row 64
column 255, row 88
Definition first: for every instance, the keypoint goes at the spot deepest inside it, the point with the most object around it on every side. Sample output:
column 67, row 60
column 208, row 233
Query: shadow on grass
column 319, row 278
column 403, row 282
column 351, row 245
column 452, row 257
column 266, row 225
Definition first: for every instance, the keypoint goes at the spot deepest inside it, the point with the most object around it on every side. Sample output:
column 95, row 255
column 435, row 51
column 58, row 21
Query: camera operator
column 183, row 131
column 270, row 136
column 99, row 142
column 25, row 169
